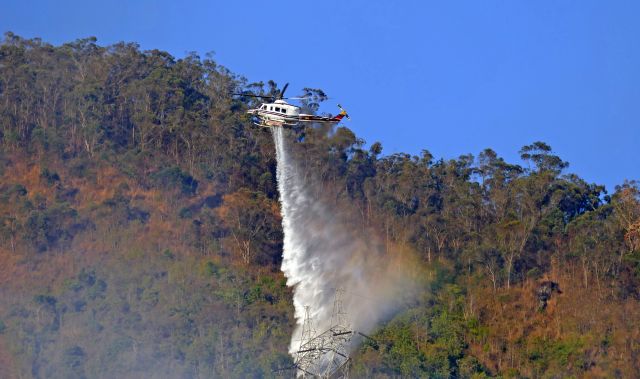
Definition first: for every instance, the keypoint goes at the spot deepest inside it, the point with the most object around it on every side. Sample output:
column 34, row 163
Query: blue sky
column 452, row 77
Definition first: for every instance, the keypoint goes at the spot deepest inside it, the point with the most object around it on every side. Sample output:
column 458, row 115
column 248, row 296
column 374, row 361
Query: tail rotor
column 344, row 112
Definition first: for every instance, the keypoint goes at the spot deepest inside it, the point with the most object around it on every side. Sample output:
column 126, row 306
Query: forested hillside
column 140, row 234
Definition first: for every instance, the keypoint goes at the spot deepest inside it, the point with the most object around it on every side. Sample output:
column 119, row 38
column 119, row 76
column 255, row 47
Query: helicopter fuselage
column 278, row 113
column 281, row 113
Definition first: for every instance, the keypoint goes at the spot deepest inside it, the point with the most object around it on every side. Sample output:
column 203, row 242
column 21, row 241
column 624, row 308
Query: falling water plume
column 322, row 253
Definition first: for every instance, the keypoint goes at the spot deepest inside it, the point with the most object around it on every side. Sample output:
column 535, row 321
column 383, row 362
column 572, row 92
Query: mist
column 322, row 252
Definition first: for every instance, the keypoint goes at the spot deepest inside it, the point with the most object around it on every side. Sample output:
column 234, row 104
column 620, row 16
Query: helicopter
column 279, row 113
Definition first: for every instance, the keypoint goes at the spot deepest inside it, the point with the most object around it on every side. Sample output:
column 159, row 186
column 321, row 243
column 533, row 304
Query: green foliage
column 556, row 355
column 50, row 177
column 211, row 269
column 174, row 177
column 119, row 208
column 541, row 155
column 74, row 356
column 45, row 228
column 45, row 300
column 168, row 254
column 425, row 342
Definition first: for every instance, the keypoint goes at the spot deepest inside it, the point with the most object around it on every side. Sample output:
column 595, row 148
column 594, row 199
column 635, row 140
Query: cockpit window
column 277, row 109
column 263, row 107
column 284, row 110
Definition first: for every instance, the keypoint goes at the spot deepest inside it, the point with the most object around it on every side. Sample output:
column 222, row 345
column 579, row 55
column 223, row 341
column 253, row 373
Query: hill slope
column 141, row 235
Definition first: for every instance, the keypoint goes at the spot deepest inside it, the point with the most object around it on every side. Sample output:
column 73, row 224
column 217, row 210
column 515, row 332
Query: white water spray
column 322, row 253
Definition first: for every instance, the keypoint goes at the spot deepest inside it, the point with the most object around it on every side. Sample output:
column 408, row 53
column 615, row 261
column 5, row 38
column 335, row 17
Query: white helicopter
column 280, row 113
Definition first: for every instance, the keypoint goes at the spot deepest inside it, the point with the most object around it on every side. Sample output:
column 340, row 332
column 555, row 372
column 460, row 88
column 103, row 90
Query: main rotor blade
column 283, row 90
column 250, row 95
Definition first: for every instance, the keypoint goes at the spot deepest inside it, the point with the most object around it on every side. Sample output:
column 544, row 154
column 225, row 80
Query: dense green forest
column 140, row 234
